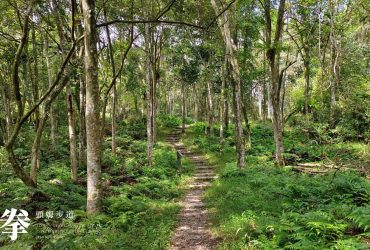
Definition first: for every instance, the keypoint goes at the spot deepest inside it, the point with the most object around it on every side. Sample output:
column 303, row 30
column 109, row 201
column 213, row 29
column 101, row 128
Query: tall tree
column 93, row 124
column 273, row 43
column 231, row 50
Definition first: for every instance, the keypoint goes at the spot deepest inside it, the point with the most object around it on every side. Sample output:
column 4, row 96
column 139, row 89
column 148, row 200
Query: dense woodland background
column 275, row 93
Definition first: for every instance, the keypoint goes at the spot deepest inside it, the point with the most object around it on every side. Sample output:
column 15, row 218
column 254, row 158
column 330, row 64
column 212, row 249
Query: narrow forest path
column 192, row 232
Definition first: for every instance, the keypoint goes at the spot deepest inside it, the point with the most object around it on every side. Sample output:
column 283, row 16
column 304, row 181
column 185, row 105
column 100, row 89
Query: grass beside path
column 266, row 207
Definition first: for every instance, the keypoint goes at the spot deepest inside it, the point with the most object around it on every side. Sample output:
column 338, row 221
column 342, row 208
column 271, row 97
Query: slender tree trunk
column 36, row 149
column 334, row 66
column 276, row 110
column 35, row 82
column 69, row 100
column 273, row 57
column 93, row 123
column 264, row 101
column 82, row 121
column 114, row 98
column 227, row 110
column 307, row 87
column 50, row 81
column 266, row 98
column 231, row 50
column 8, row 116
column 72, row 135
column 150, row 93
column 196, row 107
column 210, row 108
column 183, row 107
column 247, row 133
column 282, row 105
column 222, row 102
column 77, row 18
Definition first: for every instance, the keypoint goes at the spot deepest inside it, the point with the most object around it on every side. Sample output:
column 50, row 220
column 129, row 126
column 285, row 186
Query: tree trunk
column 6, row 103
column 248, row 142
column 93, row 123
column 307, row 87
column 82, row 88
column 50, row 81
column 183, row 108
column 36, row 148
column 150, row 93
column 334, row 66
column 82, row 121
column 35, row 82
column 231, row 50
column 196, row 107
column 265, row 101
column 273, row 57
column 222, row 102
column 72, row 135
column 210, row 108
column 114, row 98
column 19, row 171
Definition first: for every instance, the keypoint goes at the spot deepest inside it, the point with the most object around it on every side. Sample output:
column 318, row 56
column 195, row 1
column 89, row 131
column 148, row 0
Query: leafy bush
column 135, row 127
column 169, row 121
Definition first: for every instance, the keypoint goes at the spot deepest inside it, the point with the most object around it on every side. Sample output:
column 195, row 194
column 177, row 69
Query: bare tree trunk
column 227, row 110
column 231, row 50
column 210, row 109
column 273, row 56
column 72, row 135
column 50, row 81
column 69, row 99
column 183, row 104
column 266, row 98
column 307, row 87
column 334, row 66
column 150, row 93
column 82, row 88
column 196, row 104
column 283, row 86
column 82, row 117
column 114, row 98
column 35, row 82
column 6, row 103
column 248, row 142
column 93, row 123
column 222, row 102
column 36, row 151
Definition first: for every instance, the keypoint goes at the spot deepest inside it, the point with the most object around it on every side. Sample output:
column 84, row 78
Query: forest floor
column 193, row 231
column 168, row 206
column 267, row 207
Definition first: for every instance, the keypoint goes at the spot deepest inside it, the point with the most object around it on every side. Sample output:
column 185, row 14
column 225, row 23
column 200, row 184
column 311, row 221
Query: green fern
column 361, row 217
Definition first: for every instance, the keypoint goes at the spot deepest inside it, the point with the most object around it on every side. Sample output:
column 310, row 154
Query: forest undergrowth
column 260, row 207
column 269, row 207
column 140, row 207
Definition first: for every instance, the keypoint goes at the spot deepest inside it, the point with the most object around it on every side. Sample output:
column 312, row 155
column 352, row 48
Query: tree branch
column 149, row 21
column 166, row 9
column 169, row 22
column 219, row 14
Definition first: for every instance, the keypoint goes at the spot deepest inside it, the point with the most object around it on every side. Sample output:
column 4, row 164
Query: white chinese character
column 18, row 226
column 49, row 214
column 59, row 214
column 69, row 214
column 39, row 214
